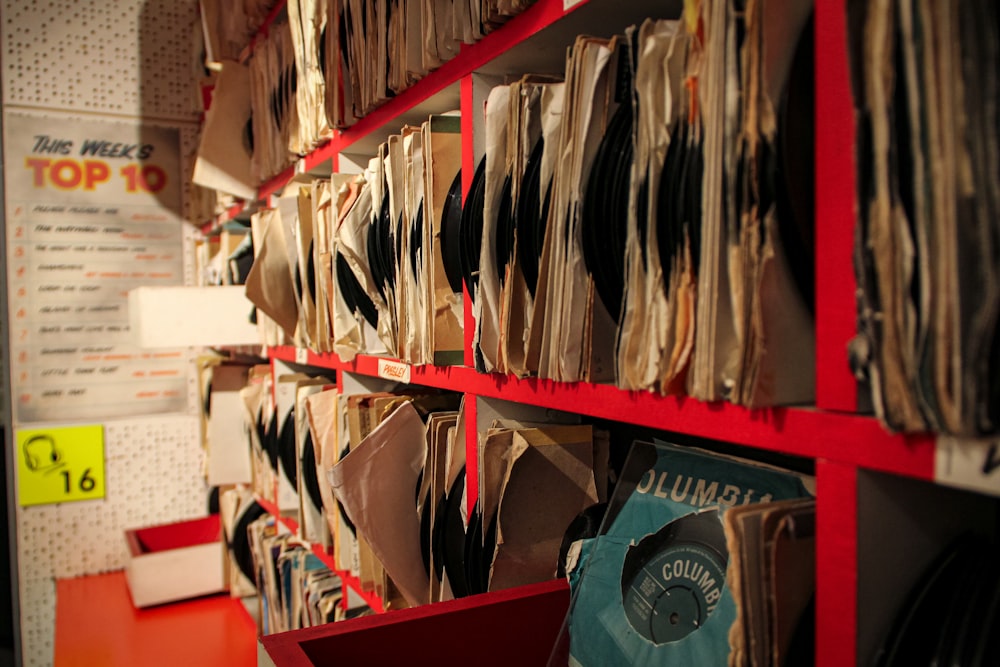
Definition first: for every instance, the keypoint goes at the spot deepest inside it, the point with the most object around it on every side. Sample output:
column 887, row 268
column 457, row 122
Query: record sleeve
column 651, row 589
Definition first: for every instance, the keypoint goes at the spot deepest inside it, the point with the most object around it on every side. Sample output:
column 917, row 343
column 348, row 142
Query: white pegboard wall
column 153, row 475
column 117, row 58
column 123, row 57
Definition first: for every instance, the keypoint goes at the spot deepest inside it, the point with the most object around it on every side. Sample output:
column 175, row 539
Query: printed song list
column 91, row 214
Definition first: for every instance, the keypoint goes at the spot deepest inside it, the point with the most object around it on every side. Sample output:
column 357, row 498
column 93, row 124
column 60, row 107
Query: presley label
column 396, row 371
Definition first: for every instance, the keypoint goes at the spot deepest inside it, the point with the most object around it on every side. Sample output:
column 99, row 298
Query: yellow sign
column 60, row 464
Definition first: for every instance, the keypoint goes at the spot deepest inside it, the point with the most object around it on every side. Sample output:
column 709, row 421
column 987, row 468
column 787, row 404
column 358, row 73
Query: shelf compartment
column 349, row 580
column 804, row 432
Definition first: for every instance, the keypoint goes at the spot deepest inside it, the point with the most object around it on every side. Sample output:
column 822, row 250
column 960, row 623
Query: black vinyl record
column 474, row 551
column 665, row 609
column 471, row 231
column 417, row 240
column 504, row 242
column 353, row 293
column 309, row 478
column 451, row 229
column 678, row 204
column 340, row 507
column 528, row 217
column 605, row 210
column 424, row 513
column 378, row 231
column 286, row 449
column 270, row 442
column 311, row 273
column 239, row 543
column 919, row 632
column 488, row 551
column 586, row 524
column 395, row 246
column 795, row 167
column 452, row 537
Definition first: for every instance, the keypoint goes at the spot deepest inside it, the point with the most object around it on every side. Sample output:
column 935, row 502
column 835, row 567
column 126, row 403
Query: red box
column 175, row 561
column 518, row 626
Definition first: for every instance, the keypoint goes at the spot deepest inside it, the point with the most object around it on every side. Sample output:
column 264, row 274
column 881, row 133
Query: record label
column 674, row 594
column 672, row 580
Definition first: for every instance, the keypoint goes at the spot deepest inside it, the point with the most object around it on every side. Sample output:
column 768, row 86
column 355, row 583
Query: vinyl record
column 474, row 551
column 471, row 231
column 424, row 513
column 309, row 472
column 353, row 293
column 283, row 93
column 240, row 262
column 488, row 552
column 795, row 167
column 678, row 204
column 605, row 210
column 528, row 217
column 585, row 525
column 665, row 602
column 340, row 507
column 286, row 449
column 378, row 231
column 311, row 273
column 453, row 537
column 321, row 51
column 248, row 135
column 437, row 536
column 915, row 635
column 395, row 246
column 987, row 650
column 504, row 242
column 270, row 442
column 417, row 241
column 239, row 543
column 962, row 625
column 451, row 229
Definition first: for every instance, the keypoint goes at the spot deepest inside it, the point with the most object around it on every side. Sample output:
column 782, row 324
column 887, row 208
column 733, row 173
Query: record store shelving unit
column 885, row 504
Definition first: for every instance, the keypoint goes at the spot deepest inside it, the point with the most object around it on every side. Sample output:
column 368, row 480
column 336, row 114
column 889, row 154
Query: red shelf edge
column 212, row 226
column 263, row 29
column 536, row 17
column 806, row 432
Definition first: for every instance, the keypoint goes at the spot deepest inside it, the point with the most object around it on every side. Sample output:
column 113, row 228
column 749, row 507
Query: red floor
column 96, row 624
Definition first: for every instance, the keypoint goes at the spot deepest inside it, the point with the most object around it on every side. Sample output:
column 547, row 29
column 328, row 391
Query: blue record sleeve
column 651, row 589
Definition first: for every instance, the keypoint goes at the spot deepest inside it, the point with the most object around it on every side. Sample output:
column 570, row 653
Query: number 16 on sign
column 60, row 464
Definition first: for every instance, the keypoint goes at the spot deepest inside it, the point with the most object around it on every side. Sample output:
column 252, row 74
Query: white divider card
column 968, row 463
column 93, row 210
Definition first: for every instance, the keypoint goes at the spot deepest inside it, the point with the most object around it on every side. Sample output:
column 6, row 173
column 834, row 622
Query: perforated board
column 153, row 472
column 122, row 58
column 106, row 56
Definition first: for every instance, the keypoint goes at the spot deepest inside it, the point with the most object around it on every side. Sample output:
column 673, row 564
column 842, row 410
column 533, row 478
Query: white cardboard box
column 175, row 561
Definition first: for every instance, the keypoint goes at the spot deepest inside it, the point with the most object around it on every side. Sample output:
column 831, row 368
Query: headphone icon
column 41, row 453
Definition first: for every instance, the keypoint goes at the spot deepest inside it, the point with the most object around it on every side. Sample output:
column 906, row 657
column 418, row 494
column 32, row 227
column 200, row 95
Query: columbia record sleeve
column 651, row 588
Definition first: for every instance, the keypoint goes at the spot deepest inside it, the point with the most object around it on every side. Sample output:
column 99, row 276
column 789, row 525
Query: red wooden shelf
column 213, row 226
column 806, row 432
column 263, row 29
column 842, row 443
